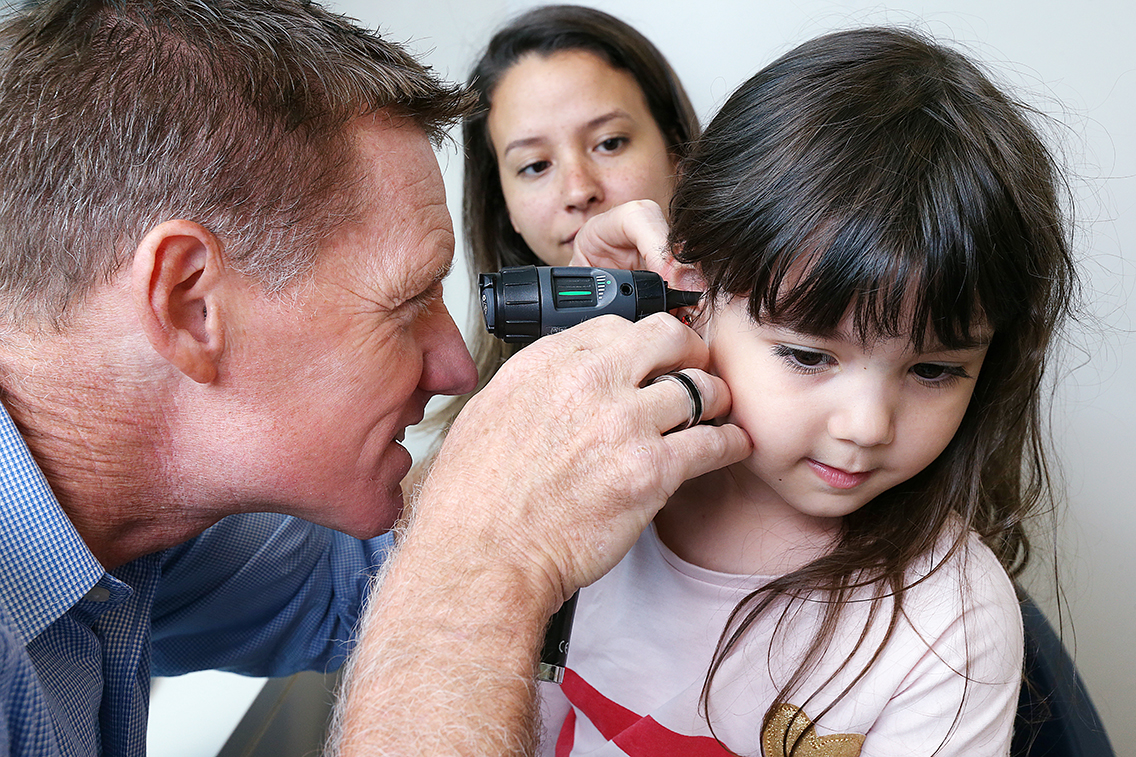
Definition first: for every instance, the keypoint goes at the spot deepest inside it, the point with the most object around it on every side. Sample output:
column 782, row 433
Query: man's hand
column 544, row 482
column 564, row 449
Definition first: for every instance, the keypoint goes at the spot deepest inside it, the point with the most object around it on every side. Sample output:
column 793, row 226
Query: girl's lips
column 837, row 478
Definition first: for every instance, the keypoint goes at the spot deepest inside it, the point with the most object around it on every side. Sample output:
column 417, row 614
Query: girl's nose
column 867, row 419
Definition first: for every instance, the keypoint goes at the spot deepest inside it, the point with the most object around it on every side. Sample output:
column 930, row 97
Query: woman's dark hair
column 546, row 30
column 875, row 173
column 489, row 236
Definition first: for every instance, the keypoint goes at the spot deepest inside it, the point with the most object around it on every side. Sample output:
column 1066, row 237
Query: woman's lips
column 837, row 478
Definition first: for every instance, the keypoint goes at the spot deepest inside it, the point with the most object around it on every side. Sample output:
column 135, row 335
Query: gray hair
column 116, row 115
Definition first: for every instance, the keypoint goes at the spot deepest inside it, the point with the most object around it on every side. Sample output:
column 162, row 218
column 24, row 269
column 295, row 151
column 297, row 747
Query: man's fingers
column 706, row 448
column 695, row 449
column 641, row 350
column 686, row 398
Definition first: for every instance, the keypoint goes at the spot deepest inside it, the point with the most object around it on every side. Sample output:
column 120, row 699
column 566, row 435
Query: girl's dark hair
column 489, row 236
column 875, row 173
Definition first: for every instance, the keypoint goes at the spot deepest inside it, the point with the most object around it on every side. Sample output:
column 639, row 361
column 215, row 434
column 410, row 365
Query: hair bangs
column 877, row 283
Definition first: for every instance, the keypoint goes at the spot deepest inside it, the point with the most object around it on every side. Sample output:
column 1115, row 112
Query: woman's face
column 573, row 137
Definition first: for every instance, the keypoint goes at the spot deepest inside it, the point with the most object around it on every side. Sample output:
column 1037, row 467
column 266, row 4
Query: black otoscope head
column 524, row 303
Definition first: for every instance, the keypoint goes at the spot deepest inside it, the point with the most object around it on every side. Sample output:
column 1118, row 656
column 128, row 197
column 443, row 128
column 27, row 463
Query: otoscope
column 524, row 303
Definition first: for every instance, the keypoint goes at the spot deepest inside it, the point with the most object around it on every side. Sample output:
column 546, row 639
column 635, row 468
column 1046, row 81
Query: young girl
column 878, row 232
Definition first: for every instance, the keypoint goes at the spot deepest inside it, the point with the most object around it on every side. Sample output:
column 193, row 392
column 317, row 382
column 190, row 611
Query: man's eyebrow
column 442, row 271
column 593, row 124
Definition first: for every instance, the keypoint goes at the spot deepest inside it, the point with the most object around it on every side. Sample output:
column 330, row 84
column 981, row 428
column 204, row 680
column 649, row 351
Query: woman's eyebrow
column 522, row 142
column 610, row 116
column 593, row 124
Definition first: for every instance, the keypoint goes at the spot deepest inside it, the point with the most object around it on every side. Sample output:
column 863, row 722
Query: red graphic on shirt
column 636, row 735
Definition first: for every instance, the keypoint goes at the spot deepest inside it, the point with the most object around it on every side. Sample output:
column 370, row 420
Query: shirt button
column 97, row 594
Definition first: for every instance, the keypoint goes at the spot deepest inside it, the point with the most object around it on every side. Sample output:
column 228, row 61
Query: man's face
column 338, row 368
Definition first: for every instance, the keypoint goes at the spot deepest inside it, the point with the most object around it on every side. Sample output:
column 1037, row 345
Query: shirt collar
column 45, row 567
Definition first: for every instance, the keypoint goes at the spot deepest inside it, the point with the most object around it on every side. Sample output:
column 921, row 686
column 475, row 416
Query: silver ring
column 695, row 396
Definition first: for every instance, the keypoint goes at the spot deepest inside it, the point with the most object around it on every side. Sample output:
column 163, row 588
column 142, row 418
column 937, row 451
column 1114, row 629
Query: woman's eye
column 534, row 168
column 805, row 361
column 613, row 144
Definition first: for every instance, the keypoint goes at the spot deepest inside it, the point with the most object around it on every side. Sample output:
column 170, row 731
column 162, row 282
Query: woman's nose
column 582, row 187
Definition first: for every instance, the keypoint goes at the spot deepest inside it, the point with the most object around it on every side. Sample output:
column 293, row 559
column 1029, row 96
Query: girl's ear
column 677, row 275
column 685, row 277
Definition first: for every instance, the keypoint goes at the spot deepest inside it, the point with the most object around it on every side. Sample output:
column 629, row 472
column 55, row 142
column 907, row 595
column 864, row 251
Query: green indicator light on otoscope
column 576, row 293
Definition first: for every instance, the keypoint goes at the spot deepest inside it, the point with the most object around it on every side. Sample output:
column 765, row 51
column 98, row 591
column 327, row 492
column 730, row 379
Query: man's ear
column 176, row 281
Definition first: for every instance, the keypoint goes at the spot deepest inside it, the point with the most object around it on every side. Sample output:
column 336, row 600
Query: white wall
column 1075, row 62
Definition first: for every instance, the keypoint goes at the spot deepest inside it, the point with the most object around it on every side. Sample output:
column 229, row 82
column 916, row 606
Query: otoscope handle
column 554, row 655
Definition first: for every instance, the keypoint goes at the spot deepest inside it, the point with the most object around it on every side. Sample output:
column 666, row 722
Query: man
column 223, row 240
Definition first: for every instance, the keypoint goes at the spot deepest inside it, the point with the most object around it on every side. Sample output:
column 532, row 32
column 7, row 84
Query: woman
column 578, row 113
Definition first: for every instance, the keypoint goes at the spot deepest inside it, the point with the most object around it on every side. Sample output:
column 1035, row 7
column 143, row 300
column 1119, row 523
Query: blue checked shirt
column 261, row 594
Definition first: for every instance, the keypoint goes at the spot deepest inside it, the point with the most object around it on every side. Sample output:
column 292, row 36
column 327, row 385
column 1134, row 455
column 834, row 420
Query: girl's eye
column 938, row 375
column 802, row 360
column 534, row 168
column 612, row 144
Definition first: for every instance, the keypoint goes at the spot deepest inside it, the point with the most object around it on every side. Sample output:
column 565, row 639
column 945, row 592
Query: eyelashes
column 607, row 145
column 810, row 362
column 803, row 361
column 937, row 374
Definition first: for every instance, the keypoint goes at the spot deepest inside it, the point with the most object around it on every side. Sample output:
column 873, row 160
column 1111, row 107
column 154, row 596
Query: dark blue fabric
column 261, row 593
column 1056, row 717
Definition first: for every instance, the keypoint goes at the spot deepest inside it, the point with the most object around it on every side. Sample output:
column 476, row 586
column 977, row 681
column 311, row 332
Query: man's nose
column 447, row 367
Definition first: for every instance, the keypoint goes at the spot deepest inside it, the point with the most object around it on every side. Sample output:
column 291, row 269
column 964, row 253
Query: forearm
column 519, row 511
column 446, row 658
